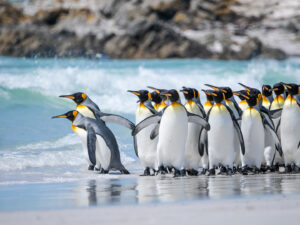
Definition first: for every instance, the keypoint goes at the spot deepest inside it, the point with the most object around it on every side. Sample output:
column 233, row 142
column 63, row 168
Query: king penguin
column 267, row 96
column 165, row 100
column 221, row 136
column 145, row 148
column 290, row 129
column 243, row 103
column 173, row 131
column 192, row 158
column 277, row 103
column 254, row 125
column 100, row 143
column 90, row 109
column 237, row 112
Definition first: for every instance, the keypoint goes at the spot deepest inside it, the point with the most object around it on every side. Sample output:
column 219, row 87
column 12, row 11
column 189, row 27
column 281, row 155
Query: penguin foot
column 203, row 172
column 146, row 172
column 169, row 169
column 124, row 171
column 211, row 172
column 256, row 170
column 288, row 169
column 222, row 171
column 91, row 167
column 192, row 172
column 276, row 167
column 229, row 171
column 234, row 169
column 244, row 170
column 161, row 170
column 177, row 173
column 183, row 172
column 103, row 171
column 269, row 169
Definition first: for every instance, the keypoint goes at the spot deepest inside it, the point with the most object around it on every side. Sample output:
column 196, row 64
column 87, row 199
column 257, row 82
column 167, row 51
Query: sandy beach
column 256, row 210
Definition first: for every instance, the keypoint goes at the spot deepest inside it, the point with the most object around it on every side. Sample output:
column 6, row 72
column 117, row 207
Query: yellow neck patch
column 156, row 106
column 208, row 104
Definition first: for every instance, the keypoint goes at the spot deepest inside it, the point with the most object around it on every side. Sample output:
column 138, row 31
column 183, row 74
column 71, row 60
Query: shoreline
column 256, row 210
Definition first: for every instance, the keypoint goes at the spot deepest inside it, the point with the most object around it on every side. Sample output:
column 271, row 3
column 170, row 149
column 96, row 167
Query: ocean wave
column 107, row 82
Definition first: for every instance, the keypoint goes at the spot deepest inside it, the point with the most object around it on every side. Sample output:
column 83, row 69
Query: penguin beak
column 166, row 94
column 184, row 92
column 246, row 87
column 286, row 85
column 275, row 89
column 154, row 89
column 67, row 96
column 134, row 92
column 216, row 88
column 206, row 92
column 245, row 96
column 265, row 88
column 59, row 116
column 236, row 93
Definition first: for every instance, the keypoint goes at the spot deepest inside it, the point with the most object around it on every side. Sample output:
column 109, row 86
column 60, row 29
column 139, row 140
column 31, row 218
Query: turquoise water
column 35, row 149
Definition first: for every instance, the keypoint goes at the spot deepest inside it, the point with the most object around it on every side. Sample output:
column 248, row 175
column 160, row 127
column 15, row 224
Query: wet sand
column 258, row 210
column 123, row 190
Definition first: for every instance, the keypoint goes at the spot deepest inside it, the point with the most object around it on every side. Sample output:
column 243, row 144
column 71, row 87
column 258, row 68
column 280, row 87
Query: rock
column 181, row 17
column 10, row 15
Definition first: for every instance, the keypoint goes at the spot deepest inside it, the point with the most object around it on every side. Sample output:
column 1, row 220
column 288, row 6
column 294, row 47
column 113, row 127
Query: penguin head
column 143, row 95
column 172, row 94
column 252, row 99
column 218, row 96
column 293, row 89
column 155, row 97
column 252, row 91
column 77, row 97
column 159, row 91
column 266, row 90
column 228, row 92
column 71, row 115
column 208, row 94
column 188, row 93
column 278, row 88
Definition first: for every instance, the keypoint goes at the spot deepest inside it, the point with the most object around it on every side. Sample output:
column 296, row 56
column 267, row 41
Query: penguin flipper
column 91, row 145
column 155, row 132
column 237, row 129
column 199, row 104
column 275, row 113
column 268, row 126
column 146, row 122
column 202, row 145
column 120, row 120
column 193, row 118
column 135, row 146
column 236, row 106
column 150, row 107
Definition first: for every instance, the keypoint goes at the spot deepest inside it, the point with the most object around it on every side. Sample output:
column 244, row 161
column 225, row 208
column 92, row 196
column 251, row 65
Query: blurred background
column 135, row 29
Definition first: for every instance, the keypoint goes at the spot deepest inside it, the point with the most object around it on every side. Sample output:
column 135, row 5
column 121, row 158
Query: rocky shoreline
column 135, row 29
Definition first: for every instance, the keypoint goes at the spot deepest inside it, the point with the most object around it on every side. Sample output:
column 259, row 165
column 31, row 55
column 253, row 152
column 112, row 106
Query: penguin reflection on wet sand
column 290, row 129
column 101, row 144
column 221, row 136
column 172, row 133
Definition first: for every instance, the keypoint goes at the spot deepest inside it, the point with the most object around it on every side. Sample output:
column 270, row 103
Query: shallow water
column 105, row 190
column 40, row 156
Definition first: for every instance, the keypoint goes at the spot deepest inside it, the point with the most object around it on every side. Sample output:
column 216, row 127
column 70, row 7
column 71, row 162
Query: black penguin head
column 252, row 99
column 241, row 94
column 228, row 92
column 188, row 93
column 155, row 97
column 143, row 95
column 78, row 97
column 278, row 88
column 252, row 91
column 71, row 115
column 218, row 96
column 293, row 89
column 159, row 91
column 208, row 94
column 172, row 94
column 266, row 90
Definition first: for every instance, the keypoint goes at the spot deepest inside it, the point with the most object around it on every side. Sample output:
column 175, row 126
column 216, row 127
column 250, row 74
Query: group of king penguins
column 261, row 133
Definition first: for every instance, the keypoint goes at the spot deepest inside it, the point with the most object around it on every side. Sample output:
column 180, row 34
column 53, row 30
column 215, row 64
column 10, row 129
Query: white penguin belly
column 192, row 159
column 146, row 146
column 253, row 133
column 220, row 138
column 172, row 136
column 290, row 131
column 82, row 134
column 103, row 153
